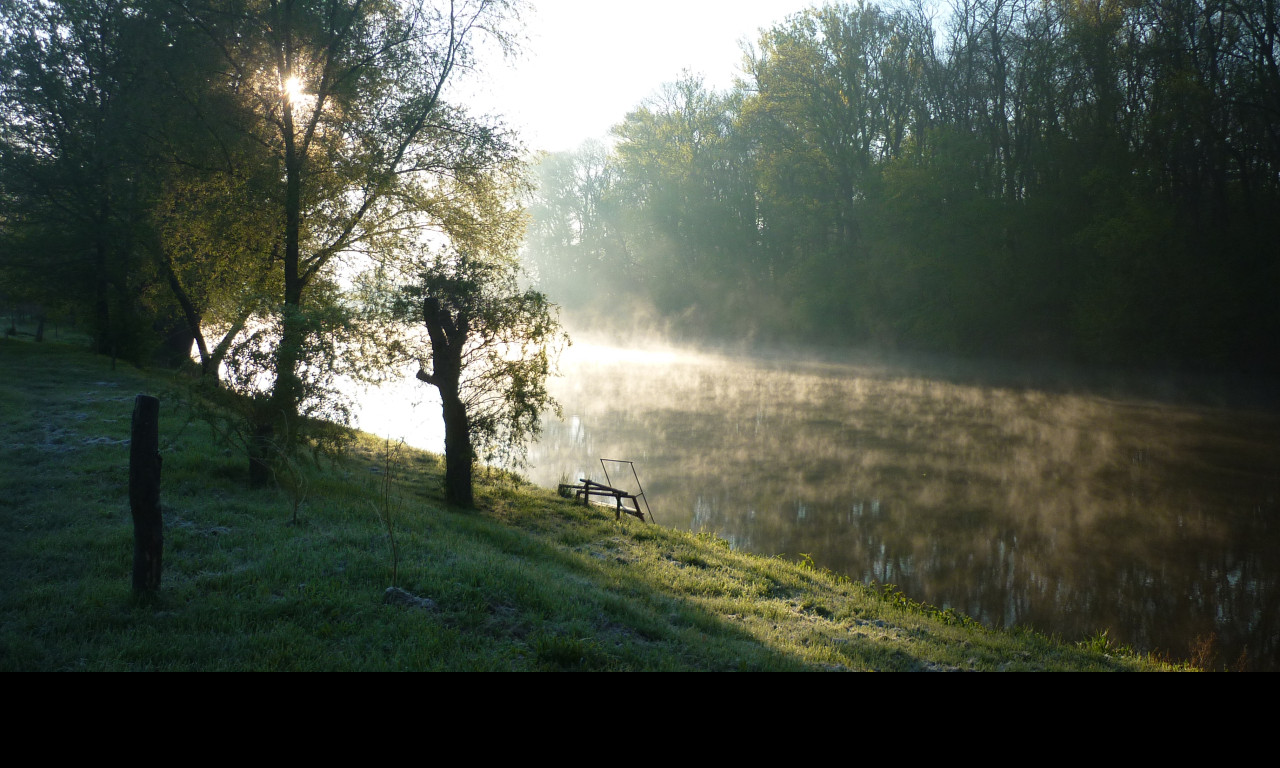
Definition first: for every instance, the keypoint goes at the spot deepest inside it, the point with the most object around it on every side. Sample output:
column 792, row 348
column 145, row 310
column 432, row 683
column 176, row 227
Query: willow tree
column 491, row 348
column 484, row 342
column 350, row 99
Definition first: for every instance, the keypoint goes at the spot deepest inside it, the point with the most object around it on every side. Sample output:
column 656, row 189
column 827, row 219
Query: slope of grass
column 526, row 582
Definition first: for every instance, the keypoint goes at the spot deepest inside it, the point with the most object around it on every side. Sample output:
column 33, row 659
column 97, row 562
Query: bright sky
column 587, row 63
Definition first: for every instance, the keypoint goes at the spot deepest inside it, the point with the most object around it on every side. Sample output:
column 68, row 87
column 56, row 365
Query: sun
column 293, row 90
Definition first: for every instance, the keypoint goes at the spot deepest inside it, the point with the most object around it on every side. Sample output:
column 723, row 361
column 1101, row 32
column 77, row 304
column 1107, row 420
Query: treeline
column 1095, row 180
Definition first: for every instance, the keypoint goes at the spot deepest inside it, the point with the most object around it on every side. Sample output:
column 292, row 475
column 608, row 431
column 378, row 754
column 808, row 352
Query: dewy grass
column 528, row 582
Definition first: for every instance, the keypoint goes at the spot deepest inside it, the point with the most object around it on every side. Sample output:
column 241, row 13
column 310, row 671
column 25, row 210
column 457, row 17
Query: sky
column 587, row 63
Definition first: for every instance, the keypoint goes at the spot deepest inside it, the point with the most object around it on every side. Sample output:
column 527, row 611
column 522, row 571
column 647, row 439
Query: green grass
column 526, row 582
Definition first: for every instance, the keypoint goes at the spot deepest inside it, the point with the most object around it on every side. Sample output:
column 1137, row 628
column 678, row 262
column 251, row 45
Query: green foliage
column 1102, row 644
column 73, row 178
column 370, row 156
column 174, row 169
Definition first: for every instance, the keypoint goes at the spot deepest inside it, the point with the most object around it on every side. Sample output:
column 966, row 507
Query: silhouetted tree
column 491, row 348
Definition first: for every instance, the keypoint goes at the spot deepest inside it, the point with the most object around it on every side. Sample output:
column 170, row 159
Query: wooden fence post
column 144, row 494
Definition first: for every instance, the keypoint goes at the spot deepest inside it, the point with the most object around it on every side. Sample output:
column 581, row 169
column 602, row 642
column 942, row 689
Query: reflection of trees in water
column 1066, row 512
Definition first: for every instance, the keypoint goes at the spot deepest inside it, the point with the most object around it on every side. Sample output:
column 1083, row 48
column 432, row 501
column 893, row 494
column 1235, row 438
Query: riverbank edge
column 528, row 581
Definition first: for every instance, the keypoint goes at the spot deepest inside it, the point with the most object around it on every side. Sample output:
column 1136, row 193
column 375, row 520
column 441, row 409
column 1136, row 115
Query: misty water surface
column 1066, row 511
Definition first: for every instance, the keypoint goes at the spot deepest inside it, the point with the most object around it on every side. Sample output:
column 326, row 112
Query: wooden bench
column 589, row 488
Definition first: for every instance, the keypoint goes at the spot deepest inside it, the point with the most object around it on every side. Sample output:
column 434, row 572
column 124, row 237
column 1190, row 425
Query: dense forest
column 1086, row 180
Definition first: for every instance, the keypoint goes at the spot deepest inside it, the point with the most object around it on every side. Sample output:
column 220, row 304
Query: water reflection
column 1063, row 511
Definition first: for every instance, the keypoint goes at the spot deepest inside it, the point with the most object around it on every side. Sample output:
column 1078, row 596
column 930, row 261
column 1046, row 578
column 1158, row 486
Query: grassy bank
column 527, row 582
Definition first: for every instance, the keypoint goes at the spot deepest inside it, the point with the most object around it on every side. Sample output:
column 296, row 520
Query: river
column 1014, row 498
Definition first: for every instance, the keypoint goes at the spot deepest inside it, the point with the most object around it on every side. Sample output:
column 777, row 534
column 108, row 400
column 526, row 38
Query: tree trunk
column 189, row 312
column 275, row 428
column 458, row 458
column 448, row 337
column 105, row 340
column 287, row 393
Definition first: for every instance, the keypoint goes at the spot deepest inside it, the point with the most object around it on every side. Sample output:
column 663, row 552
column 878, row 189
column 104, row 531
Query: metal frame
column 633, row 474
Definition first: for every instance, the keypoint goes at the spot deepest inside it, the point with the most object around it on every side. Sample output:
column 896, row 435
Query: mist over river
column 1069, row 509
